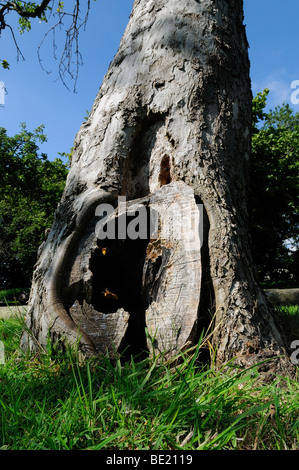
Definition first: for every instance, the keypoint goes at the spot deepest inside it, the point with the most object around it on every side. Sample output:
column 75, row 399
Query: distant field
column 8, row 312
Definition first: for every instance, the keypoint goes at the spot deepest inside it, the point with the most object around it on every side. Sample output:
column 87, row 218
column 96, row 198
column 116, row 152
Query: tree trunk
column 171, row 120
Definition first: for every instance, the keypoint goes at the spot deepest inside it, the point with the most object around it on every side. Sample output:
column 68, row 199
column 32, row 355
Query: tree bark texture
column 171, row 119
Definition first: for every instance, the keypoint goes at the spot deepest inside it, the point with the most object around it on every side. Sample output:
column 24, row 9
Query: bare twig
column 71, row 58
column 19, row 52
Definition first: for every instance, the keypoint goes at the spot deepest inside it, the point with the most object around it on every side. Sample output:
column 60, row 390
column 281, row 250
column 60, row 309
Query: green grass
column 60, row 404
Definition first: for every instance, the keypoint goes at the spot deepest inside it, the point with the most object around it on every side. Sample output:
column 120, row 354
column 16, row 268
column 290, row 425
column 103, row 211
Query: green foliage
column 27, row 10
column 259, row 102
column 25, row 25
column 274, row 190
column 5, row 64
column 30, row 189
column 60, row 7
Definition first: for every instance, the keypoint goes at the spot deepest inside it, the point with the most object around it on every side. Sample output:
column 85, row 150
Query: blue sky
column 37, row 98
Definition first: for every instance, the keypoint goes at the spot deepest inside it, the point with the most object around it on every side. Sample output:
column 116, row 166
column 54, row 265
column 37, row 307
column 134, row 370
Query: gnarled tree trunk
column 171, row 122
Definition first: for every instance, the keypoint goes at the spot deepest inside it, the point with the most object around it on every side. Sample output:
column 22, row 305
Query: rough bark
column 174, row 107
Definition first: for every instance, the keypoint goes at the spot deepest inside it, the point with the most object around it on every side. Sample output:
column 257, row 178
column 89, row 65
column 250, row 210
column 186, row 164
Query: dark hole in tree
column 164, row 175
column 117, row 265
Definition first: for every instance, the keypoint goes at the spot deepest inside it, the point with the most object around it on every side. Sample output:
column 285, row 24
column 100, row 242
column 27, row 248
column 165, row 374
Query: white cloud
column 280, row 89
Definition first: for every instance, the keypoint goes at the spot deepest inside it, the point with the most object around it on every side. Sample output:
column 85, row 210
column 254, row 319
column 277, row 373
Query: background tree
column 30, row 188
column 274, row 189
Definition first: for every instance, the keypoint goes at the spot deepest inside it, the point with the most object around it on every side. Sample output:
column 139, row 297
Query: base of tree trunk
column 148, row 289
